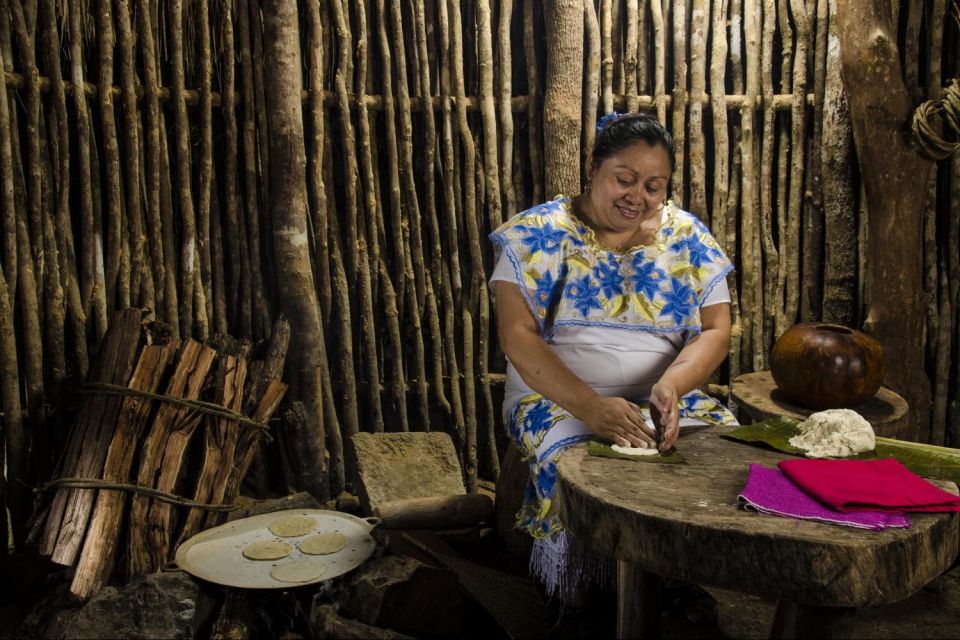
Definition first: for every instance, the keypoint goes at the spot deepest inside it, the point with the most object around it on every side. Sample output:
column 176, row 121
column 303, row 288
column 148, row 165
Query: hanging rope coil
column 947, row 109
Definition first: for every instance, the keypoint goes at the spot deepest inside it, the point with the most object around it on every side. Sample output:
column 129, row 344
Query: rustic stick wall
column 135, row 169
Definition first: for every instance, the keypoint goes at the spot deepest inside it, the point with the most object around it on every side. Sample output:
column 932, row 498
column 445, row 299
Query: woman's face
column 628, row 188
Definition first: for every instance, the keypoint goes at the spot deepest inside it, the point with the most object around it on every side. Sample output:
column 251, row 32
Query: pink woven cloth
column 883, row 485
column 770, row 491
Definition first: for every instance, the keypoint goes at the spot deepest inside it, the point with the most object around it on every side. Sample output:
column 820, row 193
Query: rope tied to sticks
column 210, row 408
column 947, row 109
column 162, row 496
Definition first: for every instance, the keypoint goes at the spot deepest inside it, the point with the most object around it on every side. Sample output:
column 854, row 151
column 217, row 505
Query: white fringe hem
column 562, row 565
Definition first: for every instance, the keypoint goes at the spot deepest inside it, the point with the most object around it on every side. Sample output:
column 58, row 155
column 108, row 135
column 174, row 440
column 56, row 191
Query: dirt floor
column 934, row 612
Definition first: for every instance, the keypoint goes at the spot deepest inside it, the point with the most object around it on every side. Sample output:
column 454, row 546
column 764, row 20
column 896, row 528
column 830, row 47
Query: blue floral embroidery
column 538, row 418
column 583, row 294
column 647, row 277
column 697, row 252
column 608, row 275
column 572, row 281
column 548, row 290
column 545, row 238
column 680, row 301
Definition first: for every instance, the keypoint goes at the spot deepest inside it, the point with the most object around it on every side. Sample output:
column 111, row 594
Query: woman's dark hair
column 629, row 129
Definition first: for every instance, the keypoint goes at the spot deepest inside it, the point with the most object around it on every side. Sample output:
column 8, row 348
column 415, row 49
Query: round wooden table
column 757, row 394
column 683, row 521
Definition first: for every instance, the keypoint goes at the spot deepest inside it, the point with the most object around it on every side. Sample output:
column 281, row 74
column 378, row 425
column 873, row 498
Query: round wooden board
column 757, row 394
column 683, row 521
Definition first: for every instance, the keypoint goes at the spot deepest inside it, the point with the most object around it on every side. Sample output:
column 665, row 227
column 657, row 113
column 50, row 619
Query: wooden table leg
column 793, row 621
column 638, row 602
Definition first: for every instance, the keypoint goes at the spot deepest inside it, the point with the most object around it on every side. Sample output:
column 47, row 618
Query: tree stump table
column 757, row 394
column 683, row 521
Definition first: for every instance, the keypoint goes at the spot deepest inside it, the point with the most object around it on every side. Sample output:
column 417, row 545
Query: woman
column 608, row 304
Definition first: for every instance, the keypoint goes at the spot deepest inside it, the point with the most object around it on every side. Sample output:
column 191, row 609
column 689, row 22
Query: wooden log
column 441, row 342
column 774, row 272
column 606, row 49
column 289, row 210
column 534, row 148
column 660, row 52
column 504, row 93
column 639, row 598
column 879, row 108
column 629, row 58
column 811, row 280
column 76, row 314
column 99, row 554
column 166, row 291
column 250, row 438
column 236, row 619
column 679, row 105
column 564, row 97
column 436, row 512
column 219, row 439
column 26, row 50
column 419, row 288
column 840, row 231
column 700, row 26
column 89, row 439
column 721, row 136
column 485, row 61
column 317, row 192
column 259, row 314
column 205, row 162
column 368, row 246
column 798, row 121
column 450, row 284
column 591, row 95
column 171, row 429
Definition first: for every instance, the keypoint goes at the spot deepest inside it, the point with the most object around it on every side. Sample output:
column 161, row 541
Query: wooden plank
column 231, row 374
column 146, row 546
column 100, row 548
column 90, row 438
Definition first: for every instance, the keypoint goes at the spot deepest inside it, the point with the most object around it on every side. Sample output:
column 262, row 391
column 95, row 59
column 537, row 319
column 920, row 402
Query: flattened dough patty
column 266, row 550
column 293, row 526
column 297, row 571
column 323, row 543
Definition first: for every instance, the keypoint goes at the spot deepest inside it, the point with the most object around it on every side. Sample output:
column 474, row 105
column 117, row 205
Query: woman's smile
column 627, row 191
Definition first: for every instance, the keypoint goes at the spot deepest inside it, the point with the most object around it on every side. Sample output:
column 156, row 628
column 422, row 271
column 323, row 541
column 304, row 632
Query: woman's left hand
column 664, row 401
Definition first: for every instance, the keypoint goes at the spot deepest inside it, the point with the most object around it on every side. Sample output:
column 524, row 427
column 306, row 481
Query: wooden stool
column 759, row 397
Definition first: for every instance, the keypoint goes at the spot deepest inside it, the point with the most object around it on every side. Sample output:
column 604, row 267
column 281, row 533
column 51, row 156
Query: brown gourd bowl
column 827, row 366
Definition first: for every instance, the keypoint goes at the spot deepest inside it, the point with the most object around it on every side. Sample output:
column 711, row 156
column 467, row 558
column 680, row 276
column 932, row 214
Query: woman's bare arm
column 616, row 419
column 696, row 361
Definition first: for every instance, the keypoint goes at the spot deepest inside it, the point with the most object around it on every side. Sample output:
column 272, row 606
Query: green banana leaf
column 604, row 450
column 926, row 460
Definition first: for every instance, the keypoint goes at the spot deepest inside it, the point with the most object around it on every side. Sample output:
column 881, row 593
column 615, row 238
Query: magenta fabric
column 770, row 491
column 852, row 485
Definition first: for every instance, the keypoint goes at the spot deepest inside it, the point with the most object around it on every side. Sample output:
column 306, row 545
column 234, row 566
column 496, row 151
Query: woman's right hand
column 619, row 421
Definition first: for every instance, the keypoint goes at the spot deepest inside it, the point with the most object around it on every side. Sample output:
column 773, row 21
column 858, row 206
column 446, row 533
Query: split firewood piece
column 249, row 439
column 146, row 552
column 217, row 446
column 90, row 437
column 100, row 548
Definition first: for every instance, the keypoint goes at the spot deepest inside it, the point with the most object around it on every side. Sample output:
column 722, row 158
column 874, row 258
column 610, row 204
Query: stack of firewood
column 168, row 429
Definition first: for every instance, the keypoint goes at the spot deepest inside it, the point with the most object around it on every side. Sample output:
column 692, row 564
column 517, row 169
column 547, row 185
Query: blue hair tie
column 613, row 116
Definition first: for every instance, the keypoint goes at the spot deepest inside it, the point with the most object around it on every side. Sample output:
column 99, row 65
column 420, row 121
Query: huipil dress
column 617, row 320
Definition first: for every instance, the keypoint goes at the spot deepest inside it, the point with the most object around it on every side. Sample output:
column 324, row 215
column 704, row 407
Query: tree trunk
column 563, row 98
column 891, row 171
column 288, row 184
